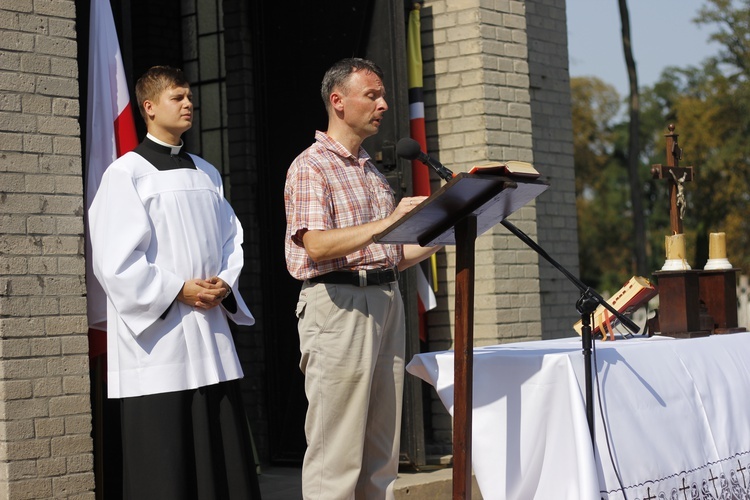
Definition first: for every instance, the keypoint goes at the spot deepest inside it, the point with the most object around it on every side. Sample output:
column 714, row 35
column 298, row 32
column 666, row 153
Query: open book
column 510, row 167
column 635, row 293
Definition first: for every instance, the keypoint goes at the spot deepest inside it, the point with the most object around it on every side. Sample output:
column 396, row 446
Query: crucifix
column 695, row 303
column 679, row 292
column 676, row 177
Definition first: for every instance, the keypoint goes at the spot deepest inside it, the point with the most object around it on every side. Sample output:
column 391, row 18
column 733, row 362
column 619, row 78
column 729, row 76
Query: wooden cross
column 676, row 177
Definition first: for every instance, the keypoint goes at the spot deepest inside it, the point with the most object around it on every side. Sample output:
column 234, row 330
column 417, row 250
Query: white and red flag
column 110, row 133
column 427, row 270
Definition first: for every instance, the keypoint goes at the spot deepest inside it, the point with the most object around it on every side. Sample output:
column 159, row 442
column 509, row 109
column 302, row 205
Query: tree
column 714, row 117
column 733, row 25
column 600, row 174
column 595, row 105
column 710, row 107
column 636, row 195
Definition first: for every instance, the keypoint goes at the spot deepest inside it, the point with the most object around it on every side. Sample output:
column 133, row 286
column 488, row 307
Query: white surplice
column 151, row 231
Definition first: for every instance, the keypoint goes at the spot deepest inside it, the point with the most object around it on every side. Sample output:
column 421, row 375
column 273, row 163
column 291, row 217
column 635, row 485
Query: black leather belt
column 358, row 278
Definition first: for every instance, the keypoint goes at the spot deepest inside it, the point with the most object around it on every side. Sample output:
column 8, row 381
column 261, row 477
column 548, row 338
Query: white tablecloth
column 677, row 413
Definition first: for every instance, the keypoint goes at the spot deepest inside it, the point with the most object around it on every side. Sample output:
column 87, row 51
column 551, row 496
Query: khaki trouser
column 352, row 355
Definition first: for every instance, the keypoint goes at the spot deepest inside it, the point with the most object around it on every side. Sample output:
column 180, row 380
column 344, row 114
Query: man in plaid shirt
column 351, row 316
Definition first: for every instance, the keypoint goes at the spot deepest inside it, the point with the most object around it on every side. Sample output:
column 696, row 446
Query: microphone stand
column 586, row 305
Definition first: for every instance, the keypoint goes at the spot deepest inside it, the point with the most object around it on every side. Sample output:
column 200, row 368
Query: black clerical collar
column 164, row 156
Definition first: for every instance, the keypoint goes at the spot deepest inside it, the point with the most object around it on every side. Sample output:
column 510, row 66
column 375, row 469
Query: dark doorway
column 293, row 47
column 286, row 48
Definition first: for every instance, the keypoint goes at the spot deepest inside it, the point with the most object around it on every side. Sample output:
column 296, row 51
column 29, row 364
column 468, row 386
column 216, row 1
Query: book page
column 510, row 167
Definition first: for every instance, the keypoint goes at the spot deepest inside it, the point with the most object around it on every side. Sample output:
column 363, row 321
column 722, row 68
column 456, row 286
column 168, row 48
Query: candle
column 717, row 247
column 717, row 252
column 675, row 246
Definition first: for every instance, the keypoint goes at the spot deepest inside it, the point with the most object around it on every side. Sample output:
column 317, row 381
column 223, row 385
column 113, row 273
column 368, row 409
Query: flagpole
column 420, row 172
column 110, row 132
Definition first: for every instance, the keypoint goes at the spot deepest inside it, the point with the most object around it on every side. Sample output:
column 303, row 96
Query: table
column 677, row 412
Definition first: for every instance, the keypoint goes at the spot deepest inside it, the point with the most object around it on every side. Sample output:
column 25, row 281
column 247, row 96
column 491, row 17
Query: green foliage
column 710, row 108
column 604, row 224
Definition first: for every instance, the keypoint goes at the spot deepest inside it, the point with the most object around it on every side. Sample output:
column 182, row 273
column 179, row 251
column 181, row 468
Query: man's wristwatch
column 229, row 292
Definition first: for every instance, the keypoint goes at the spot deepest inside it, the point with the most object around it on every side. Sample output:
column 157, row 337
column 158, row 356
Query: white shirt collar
column 175, row 150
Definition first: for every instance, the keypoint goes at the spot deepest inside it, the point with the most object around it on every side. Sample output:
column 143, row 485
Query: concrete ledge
column 429, row 485
column 285, row 483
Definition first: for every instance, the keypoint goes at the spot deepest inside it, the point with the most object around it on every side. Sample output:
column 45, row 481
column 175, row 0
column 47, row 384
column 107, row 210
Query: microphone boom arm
column 585, row 290
column 444, row 173
column 409, row 149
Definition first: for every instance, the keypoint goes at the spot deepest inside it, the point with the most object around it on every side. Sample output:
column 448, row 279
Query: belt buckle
column 362, row 277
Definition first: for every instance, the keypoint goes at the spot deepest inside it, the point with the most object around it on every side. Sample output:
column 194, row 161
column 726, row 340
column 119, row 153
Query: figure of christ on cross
column 676, row 177
column 681, row 203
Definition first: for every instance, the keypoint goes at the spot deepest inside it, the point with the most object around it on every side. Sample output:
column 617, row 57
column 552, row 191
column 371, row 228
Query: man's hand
column 335, row 243
column 204, row 294
column 405, row 206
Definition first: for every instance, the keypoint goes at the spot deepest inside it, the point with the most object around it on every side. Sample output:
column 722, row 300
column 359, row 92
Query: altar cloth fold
column 677, row 412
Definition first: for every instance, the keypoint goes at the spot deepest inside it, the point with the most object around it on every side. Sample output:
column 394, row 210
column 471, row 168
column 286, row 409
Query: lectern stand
column 463, row 209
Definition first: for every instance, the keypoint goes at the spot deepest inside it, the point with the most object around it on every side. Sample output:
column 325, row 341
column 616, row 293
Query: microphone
column 409, row 149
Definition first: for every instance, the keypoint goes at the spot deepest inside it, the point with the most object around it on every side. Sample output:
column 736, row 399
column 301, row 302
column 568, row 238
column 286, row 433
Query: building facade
column 496, row 87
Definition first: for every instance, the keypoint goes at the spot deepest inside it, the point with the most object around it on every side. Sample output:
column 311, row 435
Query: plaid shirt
column 327, row 187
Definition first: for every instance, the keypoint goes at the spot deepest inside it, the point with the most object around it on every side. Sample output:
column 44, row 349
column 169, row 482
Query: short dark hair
column 337, row 75
column 155, row 81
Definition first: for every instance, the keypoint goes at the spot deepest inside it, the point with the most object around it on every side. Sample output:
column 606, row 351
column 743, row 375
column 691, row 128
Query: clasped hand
column 204, row 294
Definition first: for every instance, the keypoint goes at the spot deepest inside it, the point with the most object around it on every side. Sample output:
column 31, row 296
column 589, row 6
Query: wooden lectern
column 463, row 209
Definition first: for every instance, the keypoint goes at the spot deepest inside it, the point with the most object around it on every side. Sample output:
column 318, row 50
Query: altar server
column 167, row 249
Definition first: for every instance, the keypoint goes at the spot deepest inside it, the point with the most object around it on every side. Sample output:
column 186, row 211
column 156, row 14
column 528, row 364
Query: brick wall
column 489, row 96
column 45, row 410
column 553, row 156
column 496, row 87
column 478, row 109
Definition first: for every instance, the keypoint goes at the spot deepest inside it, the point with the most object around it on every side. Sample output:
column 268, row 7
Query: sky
column 662, row 34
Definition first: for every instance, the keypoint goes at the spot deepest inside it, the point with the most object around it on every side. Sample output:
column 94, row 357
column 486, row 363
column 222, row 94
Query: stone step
column 436, row 484
column 284, row 483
